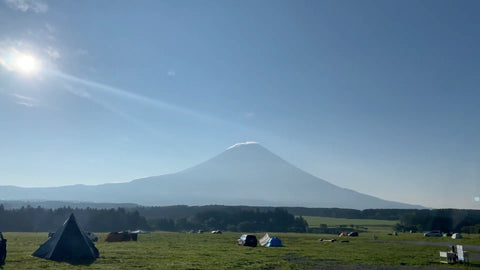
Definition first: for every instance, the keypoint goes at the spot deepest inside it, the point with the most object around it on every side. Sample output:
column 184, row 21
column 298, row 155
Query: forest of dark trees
column 236, row 220
column 184, row 211
column 230, row 218
column 29, row 219
column 445, row 220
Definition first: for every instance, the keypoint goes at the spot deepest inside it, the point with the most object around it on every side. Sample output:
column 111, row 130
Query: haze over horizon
column 378, row 97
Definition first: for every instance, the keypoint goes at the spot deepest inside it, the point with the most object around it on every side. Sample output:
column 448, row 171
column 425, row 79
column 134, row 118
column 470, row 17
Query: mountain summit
column 242, row 144
column 244, row 174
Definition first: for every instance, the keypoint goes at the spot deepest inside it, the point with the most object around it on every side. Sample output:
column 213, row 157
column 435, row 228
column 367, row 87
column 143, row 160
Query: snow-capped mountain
column 244, row 174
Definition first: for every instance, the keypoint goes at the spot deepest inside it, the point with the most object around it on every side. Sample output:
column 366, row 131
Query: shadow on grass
column 74, row 262
column 80, row 263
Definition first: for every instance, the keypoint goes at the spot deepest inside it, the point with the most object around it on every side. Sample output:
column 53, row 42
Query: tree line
column 29, row 219
column 236, row 220
column 231, row 218
column 445, row 220
column 184, row 211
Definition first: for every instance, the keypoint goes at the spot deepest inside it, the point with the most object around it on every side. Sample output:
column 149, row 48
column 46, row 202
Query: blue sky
column 378, row 96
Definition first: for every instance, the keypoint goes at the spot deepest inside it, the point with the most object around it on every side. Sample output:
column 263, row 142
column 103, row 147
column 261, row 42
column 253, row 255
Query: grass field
column 315, row 222
column 167, row 250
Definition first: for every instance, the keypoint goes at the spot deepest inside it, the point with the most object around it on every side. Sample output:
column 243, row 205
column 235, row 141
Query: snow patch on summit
column 241, row 144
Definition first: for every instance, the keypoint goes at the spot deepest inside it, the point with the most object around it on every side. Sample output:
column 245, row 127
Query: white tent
column 140, row 232
column 264, row 240
column 457, row 236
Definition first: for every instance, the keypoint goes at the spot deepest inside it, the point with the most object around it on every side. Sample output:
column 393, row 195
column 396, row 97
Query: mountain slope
column 246, row 174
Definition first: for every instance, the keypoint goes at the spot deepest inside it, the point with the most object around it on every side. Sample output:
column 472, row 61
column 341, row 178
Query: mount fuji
column 244, row 174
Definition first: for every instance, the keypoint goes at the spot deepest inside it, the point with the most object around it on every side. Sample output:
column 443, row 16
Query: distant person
column 3, row 249
column 454, row 250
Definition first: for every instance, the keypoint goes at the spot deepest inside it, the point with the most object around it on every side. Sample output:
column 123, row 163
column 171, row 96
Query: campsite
column 275, row 134
column 325, row 242
column 178, row 250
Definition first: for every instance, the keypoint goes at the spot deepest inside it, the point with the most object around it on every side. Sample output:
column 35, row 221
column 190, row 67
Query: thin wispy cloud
column 25, row 100
column 94, row 87
column 81, row 92
column 26, row 104
column 82, row 52
column 36, row 6
column 78, row 91
column 23, row 97
column 52, row 52
column 133, row 96
column 171, row 73
column 50, row 28
column 249, row 114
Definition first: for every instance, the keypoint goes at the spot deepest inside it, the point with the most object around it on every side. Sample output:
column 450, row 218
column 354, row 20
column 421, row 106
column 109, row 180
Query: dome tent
column 268, row 241
column 274, row 242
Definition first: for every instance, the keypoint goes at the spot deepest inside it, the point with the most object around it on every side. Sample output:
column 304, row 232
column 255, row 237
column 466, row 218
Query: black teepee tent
column 69, row 244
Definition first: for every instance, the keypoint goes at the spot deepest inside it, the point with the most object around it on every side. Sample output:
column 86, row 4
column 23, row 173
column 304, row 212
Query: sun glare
column 26, row 63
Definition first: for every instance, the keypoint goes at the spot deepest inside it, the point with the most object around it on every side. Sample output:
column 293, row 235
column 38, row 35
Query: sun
column 26, row 63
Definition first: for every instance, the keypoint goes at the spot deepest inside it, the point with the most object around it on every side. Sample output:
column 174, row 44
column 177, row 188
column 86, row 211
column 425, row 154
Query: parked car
column 249, row 240
column 433, row 234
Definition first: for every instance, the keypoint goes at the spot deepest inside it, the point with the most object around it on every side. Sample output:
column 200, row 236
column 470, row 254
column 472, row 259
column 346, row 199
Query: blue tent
column 274, row 242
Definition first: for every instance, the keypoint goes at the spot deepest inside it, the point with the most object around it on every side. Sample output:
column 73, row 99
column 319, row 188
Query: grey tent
column 69, row 244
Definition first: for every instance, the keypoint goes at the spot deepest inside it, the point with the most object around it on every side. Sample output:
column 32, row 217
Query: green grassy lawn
column 166, row 250
column 315, row 222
